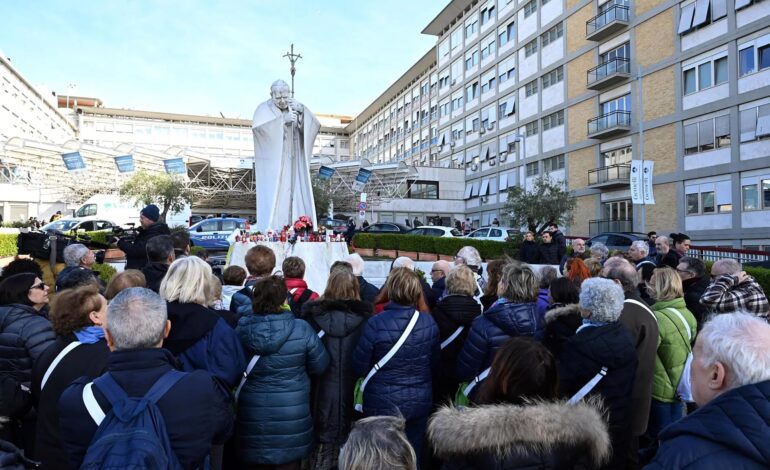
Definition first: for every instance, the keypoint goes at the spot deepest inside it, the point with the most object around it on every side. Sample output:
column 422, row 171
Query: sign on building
column 125, row 163
column 175, row 166
column 73, row 161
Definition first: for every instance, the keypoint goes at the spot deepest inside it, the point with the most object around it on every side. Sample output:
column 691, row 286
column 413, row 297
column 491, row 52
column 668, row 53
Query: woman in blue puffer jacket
column 403, row 386
column 514, row 314
column 274, row 422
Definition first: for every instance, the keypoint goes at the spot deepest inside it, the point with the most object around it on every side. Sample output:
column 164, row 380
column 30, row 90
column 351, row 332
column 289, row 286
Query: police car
column 212, row 234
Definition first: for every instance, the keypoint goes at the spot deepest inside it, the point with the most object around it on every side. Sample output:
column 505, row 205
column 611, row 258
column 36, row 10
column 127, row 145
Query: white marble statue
column 284, row 132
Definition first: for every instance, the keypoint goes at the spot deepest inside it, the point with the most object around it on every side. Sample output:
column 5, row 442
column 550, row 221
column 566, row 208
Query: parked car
column 617, row 240
column 335, row 225
column 386, row 227
column 68, row 225
column 499, row 234
column 435, row 231
column 212, row 234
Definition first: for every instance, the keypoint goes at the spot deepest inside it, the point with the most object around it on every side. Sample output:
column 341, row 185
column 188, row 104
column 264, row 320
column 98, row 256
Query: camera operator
column 135, row 248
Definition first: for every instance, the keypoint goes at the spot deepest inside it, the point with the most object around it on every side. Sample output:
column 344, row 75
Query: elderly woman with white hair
column 599, row 252
column 200, row 338
column 602, row 345
column 470, row 256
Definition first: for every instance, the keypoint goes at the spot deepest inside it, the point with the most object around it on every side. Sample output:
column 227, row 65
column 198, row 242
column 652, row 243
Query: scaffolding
column 225, row 183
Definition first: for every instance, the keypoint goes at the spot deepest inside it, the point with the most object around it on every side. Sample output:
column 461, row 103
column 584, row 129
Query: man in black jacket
column 136, row 248
column 195, row 412
column 559, row 239
column 549, row 250
column 160, row 253
column 695, row 282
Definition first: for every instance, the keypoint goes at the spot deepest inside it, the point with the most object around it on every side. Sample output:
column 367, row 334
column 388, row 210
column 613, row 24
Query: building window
column 530, row 8
column 487, row 14
column 620, row 52
column 530, row 48
column 489, row 49
column 457, row 103
column 622, row 103
column 553, row 164
column 443, row 80
column 755, row 123
column 707, row 135
column 422, row 189
column 507, row 33
column 553, row 77
column 751, row 196
column 552, row 34
column 533, row 169
column 531, row 129
column 705, row 75
column 488, row 85
column 703, row 201
column 507, row 69
column 444, row 108
column 472, row 91
column 530, row 88
column 700, row 13
column 616, row 157
column 456, row 38
column 553, row 120
column 471, row 59
column 471, row 28
column 753, row 59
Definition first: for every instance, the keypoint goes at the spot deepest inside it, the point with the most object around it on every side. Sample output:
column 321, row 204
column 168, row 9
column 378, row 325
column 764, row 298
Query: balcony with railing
column 596, row 227
column 609, row 124
column 608, row 22
column 609, row 176
column 609, row 73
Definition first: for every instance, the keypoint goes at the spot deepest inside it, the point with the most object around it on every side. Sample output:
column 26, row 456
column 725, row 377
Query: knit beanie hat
column 151, row 212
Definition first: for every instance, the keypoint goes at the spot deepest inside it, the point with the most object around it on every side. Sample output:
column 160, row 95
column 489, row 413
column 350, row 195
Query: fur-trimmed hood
column 554, row 313
column 538, row 427
column 338, row 318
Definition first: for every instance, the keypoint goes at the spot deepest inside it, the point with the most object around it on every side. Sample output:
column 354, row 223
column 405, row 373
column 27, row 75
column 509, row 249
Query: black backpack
column 296, row 305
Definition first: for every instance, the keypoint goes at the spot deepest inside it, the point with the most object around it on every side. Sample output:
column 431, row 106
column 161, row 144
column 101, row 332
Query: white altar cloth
column 318, row 258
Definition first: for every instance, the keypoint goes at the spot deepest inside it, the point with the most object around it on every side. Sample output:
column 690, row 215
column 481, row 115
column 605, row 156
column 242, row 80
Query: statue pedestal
column 318, row 258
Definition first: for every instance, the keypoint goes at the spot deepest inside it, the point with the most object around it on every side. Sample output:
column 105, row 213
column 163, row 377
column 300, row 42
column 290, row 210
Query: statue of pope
column 284, row 131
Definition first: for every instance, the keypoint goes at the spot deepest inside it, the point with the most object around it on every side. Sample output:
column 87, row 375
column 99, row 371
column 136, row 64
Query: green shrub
column 16, row 224
column 99, row 237
column 762, row 275
column 105, row 271
column 387, row 241
column 8, row 246
column 195, row 250
column 364, row 240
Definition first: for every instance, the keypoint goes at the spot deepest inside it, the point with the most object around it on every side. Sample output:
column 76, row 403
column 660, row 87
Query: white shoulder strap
column 482, row 376
column 246, row 373
column 644, row 306
column 453, row 337
column 57, row 360
column 393, row 350
column 293, row 290
column 321, row 334
column 96, row 412
column 684, row 322
column 588, row 387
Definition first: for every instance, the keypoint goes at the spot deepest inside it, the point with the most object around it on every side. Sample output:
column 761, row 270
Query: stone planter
column 449, row 258
column 365, row 251
column 427, row 256
column 386, row 253
column 409, row 254
column 113, row 253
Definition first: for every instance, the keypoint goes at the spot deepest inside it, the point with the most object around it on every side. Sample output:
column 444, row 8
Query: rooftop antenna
column 293, row 58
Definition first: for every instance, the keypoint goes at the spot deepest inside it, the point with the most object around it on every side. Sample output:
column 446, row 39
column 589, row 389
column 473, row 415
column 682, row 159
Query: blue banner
column 325, row 172
column 175, row 166
column 363, row 175
column 125, row 163
column 73, row 161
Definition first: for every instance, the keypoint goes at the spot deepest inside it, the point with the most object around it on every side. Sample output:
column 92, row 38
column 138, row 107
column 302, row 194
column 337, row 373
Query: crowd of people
column 616, row 362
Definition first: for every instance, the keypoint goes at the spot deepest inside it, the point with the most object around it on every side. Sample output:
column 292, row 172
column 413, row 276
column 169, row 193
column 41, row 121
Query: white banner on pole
column 649, row 197
column 636, row 182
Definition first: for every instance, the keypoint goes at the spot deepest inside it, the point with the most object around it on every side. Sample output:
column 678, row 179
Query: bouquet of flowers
column 303, row 225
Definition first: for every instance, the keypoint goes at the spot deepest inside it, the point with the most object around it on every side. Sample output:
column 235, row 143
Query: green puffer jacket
column 673, row 347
